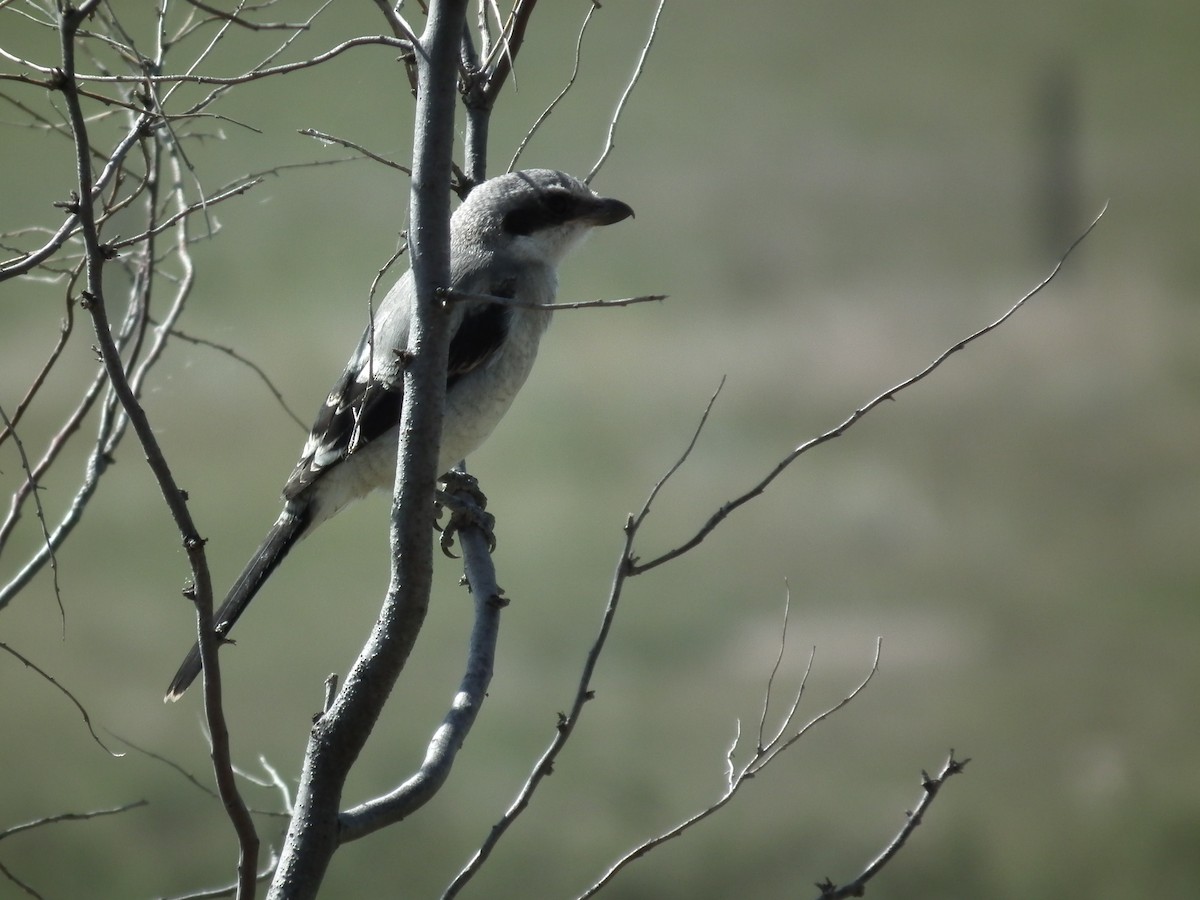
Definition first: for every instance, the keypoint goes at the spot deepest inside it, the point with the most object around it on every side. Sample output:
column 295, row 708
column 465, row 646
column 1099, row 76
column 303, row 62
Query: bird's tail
column 287, row 530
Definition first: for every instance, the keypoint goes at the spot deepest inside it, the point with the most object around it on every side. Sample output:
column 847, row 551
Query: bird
column 507, row 239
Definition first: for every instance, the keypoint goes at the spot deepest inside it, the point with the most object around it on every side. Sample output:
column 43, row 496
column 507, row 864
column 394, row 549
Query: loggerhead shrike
column 506, row 241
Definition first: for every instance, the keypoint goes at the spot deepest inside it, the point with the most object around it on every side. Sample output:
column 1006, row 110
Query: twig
column 930, row 787
column 26, row 888
column 70, row 817
column 450, row 295
column 610, row 141
column 251, row 26
column 31, row 488
column 109, row 433
column 760, row 760
column 766, row 706
column 230, row 890
column 329, row 138
column 21, row 264
column 561, row 94
column 519, row 19
column 400, row 27
column 87, row 719
column 249, row 363
column 365, row 40
column 729, row 506
column 180, row 214
column 38, row 380
column 169, row 763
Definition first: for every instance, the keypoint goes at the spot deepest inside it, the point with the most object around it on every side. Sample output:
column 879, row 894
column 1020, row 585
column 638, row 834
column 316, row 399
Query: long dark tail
column 288, row 528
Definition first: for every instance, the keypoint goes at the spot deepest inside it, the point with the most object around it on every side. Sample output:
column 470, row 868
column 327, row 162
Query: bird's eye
column 545, row 211
column 559, row 205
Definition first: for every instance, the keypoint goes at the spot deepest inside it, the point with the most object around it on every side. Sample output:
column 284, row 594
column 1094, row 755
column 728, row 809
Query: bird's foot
column 460, row 494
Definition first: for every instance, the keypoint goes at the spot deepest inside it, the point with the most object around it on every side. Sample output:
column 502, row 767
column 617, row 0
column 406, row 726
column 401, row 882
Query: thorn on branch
column 331, row 683
column 826, row 887
column 409, row 58
column 71, row 204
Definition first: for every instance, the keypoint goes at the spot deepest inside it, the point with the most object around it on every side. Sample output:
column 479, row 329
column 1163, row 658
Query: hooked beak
column 606, row 211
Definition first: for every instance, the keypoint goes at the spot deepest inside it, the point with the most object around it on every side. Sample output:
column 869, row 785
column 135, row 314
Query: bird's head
column 536, row 215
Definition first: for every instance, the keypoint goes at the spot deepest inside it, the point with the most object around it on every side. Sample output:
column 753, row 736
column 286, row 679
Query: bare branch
column 171, row 764
column 761, row 759
column 202, row 204
column 729, row 506
column 329, row 138
column 87, row 719
column 512, row 164
column 380, row 812
column 245, row 23
column 30, row 488
column 365, row 40
column 610, row 142
column 38, row 380
column 635, row 522
column 230, row 890
column 27, row 889
column 766, row 706
column 22, row 264
column 930, row 787
column 450, row 295
column 250, row 364
column 510, row 43
column 70, row 817
column 400, row 27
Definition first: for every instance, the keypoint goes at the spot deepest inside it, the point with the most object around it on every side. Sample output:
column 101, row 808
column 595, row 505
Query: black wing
column 357, row 412
column 481, row 334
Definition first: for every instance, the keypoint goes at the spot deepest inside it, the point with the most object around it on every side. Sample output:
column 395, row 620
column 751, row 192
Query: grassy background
column 831, row 193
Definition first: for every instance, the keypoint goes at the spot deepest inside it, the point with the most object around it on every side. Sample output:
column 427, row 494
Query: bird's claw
column 460, row 494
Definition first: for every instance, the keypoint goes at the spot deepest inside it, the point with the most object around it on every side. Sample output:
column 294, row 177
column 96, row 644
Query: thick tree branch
column 448, row 740
column 339, row 735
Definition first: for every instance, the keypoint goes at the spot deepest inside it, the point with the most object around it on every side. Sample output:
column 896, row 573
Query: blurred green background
column 831, row 193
